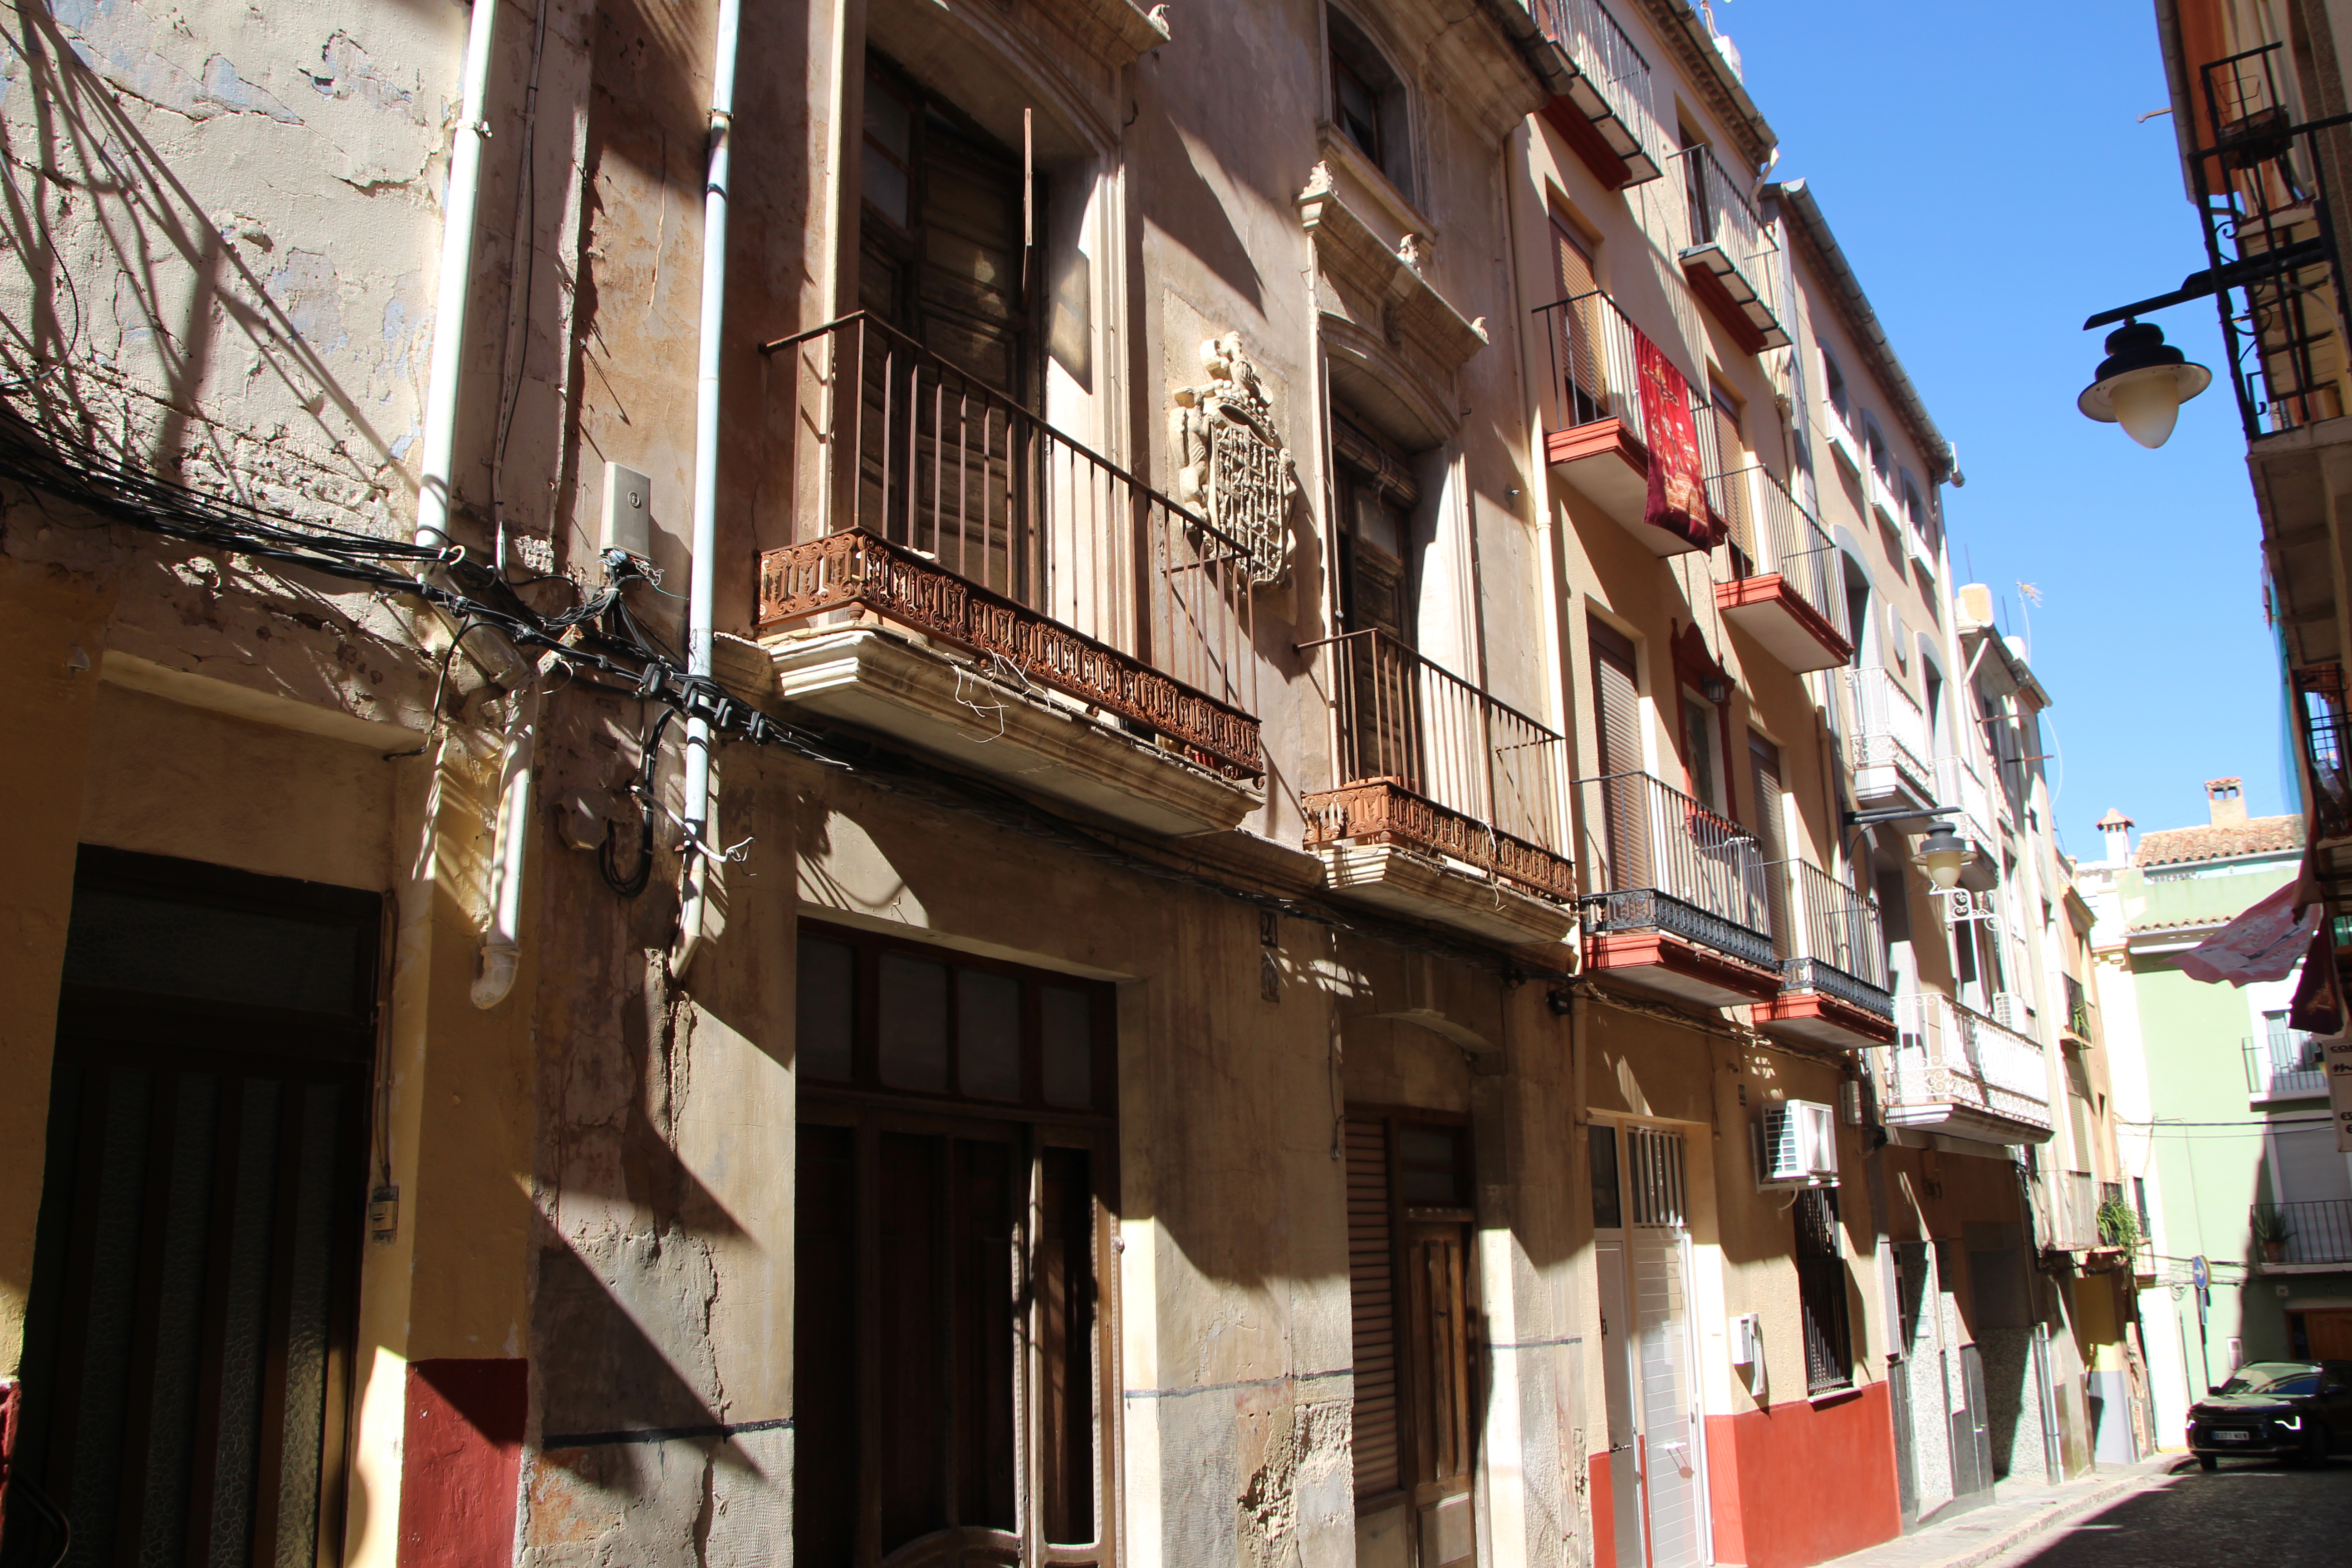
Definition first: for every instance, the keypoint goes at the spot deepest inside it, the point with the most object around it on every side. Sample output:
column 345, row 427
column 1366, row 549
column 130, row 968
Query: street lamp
column 1943, row 857
column 2142, row 383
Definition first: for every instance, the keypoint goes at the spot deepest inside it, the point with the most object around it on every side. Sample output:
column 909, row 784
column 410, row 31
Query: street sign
column 2199, row 1275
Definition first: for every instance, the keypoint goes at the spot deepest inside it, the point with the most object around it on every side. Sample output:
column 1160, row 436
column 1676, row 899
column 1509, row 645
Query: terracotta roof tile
column 2183, row 845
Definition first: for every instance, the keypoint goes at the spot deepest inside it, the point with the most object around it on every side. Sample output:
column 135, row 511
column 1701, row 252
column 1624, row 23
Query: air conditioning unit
column 1797, row 1145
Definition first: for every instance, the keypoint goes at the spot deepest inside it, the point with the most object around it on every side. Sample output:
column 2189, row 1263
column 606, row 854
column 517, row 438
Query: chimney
column 2118, row 827
column 1974, row 601
column 2225, row 799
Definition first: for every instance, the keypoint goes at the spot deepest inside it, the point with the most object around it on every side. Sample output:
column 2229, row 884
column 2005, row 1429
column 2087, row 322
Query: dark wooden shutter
column 1579, row 326
column 1617, row 719
column 1372, row 1280
column 1764, row 780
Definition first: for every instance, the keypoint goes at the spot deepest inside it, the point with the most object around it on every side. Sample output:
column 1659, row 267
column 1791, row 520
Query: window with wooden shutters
column 1728, row 496
column 954, row 1393
column 1764, row 781
column 1580, row 325
column 942, row 239
column 1372, row 1286
column 1380, row 695
column 1414, row 1304
column 1617, row 724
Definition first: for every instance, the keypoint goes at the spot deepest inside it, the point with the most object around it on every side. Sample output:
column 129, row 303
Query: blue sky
column 1988, row 174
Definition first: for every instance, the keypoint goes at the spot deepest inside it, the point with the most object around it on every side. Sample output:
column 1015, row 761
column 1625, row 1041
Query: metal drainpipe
column 454, row 301
column 457, row 282
column 500, row 947
column 701, row 802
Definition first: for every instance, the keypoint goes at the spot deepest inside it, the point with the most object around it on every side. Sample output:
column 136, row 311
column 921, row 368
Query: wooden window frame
column 1033, row 1131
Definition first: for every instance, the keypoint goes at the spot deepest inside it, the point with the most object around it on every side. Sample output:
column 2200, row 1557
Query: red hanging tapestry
column 1678, row 498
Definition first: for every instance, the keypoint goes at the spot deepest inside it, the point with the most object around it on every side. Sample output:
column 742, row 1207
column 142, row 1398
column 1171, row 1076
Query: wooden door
column 1414, row 1300
column 195, row 1281
column 2328, row 1335
column 953, row 1392
column 1439, row 1314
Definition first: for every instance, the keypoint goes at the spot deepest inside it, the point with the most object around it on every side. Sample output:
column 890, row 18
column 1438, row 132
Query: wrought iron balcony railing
column 1617, row 76
column 1729, row 241
column 1430, row 762
column 934, row 501
column 1889, row 729
column 1773, row 534
column 2261, row 192
column 1656, row 859
column 2318, row 1231
column 1595, row 364
column 2286, row 1065
column 1843, row 950
column 1948, row 1057
column 2326, row 731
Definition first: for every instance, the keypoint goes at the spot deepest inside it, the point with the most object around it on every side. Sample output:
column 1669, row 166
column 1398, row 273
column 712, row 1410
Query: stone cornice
column 1411, row 310
column 1680, row 29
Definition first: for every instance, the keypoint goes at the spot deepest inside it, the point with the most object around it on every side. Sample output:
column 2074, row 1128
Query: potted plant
column 2118, row 1225
column 2273, row 1232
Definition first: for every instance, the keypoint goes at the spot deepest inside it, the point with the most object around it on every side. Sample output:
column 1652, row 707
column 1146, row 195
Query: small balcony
column 1834, row 989
column 2261, row 200
column 968, row 580
column 1607, row 115
column 1955, row 1071
column 1595, row 433
column 1450, row 810
column 1729, row 261
column 2312, row 1234
column 2326, row 731
column 1786, row 586
column 2288, row 1065
column 2076, row 1024
column 1888, row 738
column 1677, row 898
column 2074, row 1227
column 1966, row 804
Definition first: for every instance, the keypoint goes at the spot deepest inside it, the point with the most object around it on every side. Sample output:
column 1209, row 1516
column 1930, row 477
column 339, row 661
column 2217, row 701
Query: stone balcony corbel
column 1119, row 31
column 1393, row 318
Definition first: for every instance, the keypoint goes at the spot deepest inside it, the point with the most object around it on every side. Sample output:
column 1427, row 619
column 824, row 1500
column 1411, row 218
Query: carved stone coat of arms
column 1233, row 464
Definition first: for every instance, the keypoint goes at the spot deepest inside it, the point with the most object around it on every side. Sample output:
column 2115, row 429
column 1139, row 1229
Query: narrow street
column 2245, row 1513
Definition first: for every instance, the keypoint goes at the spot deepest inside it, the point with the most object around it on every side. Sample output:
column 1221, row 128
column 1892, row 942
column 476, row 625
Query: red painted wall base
column 461, row 1453
column 1604, row 1513
column 1799, row 1483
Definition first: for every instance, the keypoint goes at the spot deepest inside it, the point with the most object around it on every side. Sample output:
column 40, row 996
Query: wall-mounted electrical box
column 1796, row 1145
column 1747, row 1331
column 629, row 512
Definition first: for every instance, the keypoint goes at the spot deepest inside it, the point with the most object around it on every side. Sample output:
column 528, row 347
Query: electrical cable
column 641, row 664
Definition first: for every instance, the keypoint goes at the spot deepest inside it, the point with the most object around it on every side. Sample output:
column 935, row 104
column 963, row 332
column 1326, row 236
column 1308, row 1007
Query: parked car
column 2297, row 1410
